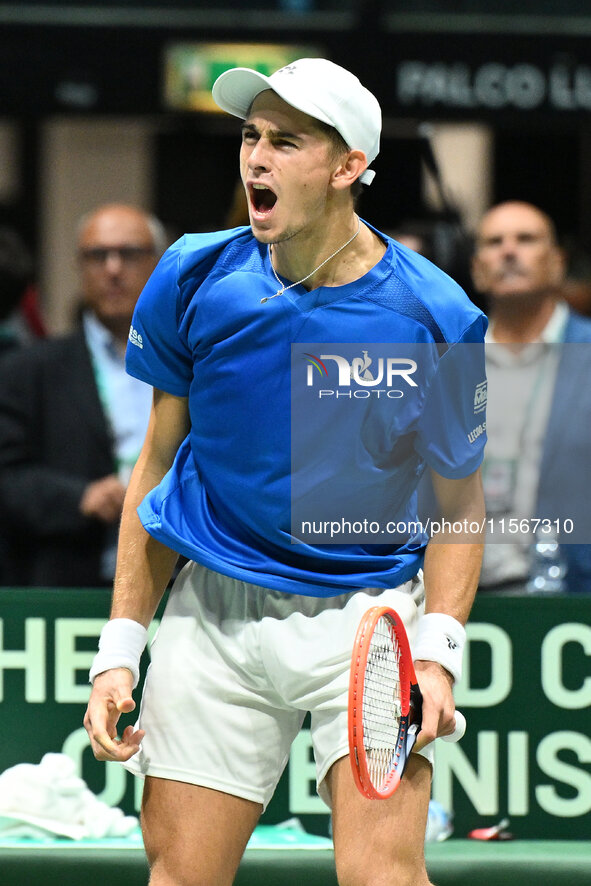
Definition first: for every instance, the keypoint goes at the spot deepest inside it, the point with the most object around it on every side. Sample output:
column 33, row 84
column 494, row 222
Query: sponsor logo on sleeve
column 476, row 432
column 135, row 338
column 480, row 397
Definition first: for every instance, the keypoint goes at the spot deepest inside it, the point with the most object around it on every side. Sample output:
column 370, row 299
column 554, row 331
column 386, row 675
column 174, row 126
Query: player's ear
column 351, row 166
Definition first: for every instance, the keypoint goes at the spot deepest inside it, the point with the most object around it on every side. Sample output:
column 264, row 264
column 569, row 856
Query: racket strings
column 382, row 704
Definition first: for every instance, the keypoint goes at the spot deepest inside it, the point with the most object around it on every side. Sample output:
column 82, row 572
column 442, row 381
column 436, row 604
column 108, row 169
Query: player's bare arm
column 451, row 570
column 144, row 567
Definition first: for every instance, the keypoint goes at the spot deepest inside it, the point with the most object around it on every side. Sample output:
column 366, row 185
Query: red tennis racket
column 385, row 704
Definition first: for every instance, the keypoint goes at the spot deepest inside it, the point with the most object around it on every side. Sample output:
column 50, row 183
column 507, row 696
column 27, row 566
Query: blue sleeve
column 156, row 353
column 452, row 428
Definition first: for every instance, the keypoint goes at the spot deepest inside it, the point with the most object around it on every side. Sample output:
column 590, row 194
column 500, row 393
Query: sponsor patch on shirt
column 480, row 397
column 135, row 338
column 476, row 432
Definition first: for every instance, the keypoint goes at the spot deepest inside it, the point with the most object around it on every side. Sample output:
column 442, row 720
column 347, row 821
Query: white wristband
column 121, row 644
column 441, row 638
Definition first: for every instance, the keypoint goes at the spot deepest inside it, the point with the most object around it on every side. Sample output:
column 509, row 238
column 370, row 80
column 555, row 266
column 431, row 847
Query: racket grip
column 459, row 730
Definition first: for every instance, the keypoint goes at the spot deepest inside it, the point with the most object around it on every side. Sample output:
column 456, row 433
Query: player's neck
column 353, row 246
column 519, row 323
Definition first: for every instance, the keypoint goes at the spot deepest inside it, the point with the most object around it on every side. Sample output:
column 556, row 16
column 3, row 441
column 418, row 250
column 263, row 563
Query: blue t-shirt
column 314, row 405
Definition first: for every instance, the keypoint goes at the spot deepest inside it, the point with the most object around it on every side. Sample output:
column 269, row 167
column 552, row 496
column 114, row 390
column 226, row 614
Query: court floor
column 451, row 863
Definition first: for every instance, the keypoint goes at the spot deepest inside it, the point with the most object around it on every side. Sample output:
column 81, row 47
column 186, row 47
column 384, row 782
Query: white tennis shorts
column 235, row 667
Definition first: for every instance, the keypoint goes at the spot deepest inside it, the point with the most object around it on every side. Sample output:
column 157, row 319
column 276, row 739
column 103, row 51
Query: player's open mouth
column 262, row 199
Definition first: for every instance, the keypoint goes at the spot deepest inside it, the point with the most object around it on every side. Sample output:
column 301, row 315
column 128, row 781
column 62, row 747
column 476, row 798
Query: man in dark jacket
column 72, row 421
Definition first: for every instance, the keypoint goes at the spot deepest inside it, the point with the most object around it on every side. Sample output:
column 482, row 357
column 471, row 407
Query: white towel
column 51, row 798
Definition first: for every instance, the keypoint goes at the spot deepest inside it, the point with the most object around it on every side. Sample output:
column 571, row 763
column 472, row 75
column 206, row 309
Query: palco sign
column 493, row 85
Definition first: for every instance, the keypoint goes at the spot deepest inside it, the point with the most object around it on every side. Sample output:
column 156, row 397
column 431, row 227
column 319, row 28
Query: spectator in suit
column 72, row 421
column 536, row 461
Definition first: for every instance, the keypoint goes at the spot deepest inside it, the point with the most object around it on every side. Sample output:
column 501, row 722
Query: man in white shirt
column 519, row 267
column 118, row 247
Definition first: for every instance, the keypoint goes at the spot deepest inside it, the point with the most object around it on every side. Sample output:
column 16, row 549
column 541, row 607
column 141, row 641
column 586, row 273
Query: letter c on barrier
column 552, row 659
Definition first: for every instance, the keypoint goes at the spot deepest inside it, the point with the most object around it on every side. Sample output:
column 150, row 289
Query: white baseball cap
column 317, row 87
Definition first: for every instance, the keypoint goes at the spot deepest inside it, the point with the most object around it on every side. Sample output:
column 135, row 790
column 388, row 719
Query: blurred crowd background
column 109, row 103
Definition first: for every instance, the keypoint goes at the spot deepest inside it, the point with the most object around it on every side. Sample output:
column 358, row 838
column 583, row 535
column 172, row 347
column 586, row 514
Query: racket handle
column 459, row 730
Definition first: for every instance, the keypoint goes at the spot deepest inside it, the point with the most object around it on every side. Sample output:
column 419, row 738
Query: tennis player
column 259, row 625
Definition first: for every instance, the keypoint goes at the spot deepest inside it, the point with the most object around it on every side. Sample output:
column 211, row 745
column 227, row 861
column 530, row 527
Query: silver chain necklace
column 284, row 288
